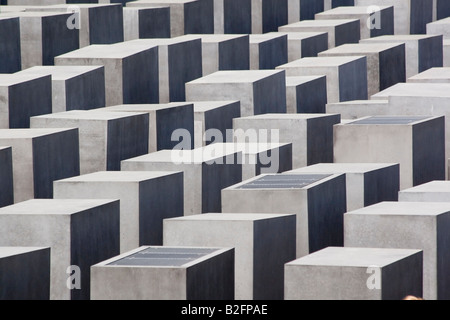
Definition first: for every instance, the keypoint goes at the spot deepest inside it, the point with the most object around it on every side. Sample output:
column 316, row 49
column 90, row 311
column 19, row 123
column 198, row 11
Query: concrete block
column 24, row 273
column 305, row 44
column 303, row 9
column 131, row 74
column 212, row 118
column 268, row 51
column 346, row 76
column 355, row 274
column 223, row 52
column 41, row 156
column 307, row 94
column 22, row 96
column 72, row 229
column 268, row 15
column 206, row 171
column 263, row 244
column 386, row 63
column 10, row 56
column 446, row 55
column 408, row 225
column 164, row 120
column 44, row 36
column 318, row 200
column 186, row 16
column 6, row 177
column 340, row 31
column 311, row 135
column 360, row 108
column 396, row 139
column 439, row 27
column 434, row 191
column 74, row 87
column 419, row 99
column 261, row 158
column 146, row 198
column 260, row 91
column 98, row 23
column 166, row 273
column 145, row 23
column 106, row 138
column 374, row 21
column 411, row 16
column 422, row 51
column 433, row 75
column 180, row 61
column 367, row 183
column 232, row 16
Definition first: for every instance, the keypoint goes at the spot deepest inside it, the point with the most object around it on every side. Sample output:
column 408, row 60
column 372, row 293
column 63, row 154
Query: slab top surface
column 53, row 206
column 294, row 81
column 119, row 176
column 229, row 217
column 163, row 257
column 350, row 10
column 28, row 133
column 389, row 120
column 13, row 251
column 389, row 208
column 292, row 35
column 433, row 186
column 314, row 62
column 98, row 51
column 94, row 114
column 355, row 48
column 434, row 73
column 146, row 107
column 341, row 168
column 60, row 72
column 17, row 78
column 319, row 23
column 241, row 76
column 203, row 106
column 353, row 257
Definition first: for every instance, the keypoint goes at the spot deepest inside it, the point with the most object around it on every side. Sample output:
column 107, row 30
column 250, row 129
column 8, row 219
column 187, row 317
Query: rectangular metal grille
column 284, row 181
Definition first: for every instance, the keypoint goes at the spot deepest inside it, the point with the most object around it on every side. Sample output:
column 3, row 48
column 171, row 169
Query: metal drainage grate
column 389, row 120
column 160, row 256
column 284, row 181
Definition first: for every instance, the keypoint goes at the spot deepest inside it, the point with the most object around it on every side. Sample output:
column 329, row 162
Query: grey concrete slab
column 144, row 23
column 446, row 56
column 303, row 9
column 166, row 273
column 434, row 191
column 408, row 225
column 311, row 135
column 307, row 94
column 131, row 73
column 206, row 170
column 318, row 200
column 340, row 31
column 396, row 139
column 98, row 23
column 72, row 229
column 366, row 183
column 386, row 62
column 44, row 36
column 259, row 91
column 212, row 119
column 6, row 177
column 411, row 16
column 22, row 96
column 268, row 15
column 164, row 120
column 360, row 108
column 232, row 16
column 439, row 27
column 268, row 51
column 262, row 158
column 146, row 198
column 355, row 274
column 374, row 21
column 186, row 16
column 263, row 244
column 433, row 75
column 305, row 44
column 74, row 87
column 223, row 52
column 180, row 61
column 106, row 138
column 346, row 75
column 10, row 55
column 24, row 273
column 41, row 156
column 422, row 51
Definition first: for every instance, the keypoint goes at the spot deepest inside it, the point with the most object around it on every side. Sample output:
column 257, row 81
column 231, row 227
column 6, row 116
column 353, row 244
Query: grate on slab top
column 163, row 257
column 284, row 181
